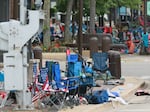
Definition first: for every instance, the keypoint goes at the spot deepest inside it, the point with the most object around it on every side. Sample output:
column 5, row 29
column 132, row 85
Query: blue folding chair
column 71, row 83
column 82, row 70
column 100, row 66
column 56, row 88
column 100, row 61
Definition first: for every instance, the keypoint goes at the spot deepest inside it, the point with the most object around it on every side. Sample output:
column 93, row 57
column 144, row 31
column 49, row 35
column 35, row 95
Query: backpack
column 98, row 97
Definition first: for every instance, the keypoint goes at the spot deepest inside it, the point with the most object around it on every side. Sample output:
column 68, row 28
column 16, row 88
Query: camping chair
column 39, row 86
column 80, row 69
column 64, row 89
column 56, row 87
column 100, row 65
column 75, row 70
column 72, row 84
column 45, row 90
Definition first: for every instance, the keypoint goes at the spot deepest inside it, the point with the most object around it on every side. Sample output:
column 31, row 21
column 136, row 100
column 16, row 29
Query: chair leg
column 4, row 99
column 57, row 100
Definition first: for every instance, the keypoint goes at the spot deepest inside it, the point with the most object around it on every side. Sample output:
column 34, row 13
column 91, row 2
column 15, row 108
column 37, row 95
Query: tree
column 61, row 5
column 104, row 6
column 46, row 27
column 92, row 16
column 67, row 21
column 133, row 4
column 65, row 6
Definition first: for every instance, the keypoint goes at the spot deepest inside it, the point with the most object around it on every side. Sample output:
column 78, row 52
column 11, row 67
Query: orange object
column 131, row 46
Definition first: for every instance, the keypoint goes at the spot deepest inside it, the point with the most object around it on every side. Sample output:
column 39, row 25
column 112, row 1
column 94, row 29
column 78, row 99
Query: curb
column 126, row 91
column 130, row 86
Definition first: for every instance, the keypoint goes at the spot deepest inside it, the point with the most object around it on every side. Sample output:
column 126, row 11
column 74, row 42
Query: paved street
column 136, row 65
column 136, row 103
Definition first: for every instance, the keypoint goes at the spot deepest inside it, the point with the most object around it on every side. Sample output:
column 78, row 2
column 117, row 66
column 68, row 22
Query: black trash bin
column 106, row 41
column 37, row 51
column 115, row 64
column 93, row 45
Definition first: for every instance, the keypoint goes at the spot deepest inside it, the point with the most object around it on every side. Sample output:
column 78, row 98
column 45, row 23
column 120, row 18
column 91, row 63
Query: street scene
column 73, row 56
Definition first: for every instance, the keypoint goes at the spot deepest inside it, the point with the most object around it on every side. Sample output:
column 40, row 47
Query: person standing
column 145, row 42
column 58, row 30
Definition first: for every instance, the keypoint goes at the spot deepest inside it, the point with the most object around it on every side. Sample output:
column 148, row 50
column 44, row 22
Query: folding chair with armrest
column 57, row 88
column 62, row 88
column 81, row 70
column 101, row 65
column 72, row 84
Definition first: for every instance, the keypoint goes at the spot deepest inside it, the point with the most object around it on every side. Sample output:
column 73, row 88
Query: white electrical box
column 13, row 71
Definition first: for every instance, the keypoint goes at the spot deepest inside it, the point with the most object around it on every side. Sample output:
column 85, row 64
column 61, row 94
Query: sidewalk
column 126, row 90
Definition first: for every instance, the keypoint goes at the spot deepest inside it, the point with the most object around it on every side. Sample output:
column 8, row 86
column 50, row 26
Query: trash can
column 37, row 52
column 93, row 45
column 115, row 64
column 106, row 44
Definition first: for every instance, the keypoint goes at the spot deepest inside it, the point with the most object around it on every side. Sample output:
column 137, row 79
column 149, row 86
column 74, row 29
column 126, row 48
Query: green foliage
column 61, row 5
column 53, row 11
column 102, row 6
column 86, row 10
column 133, row 4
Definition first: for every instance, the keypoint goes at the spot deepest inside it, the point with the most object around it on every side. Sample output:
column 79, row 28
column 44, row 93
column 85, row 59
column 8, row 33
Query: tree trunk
column 92, row 16
column 110, row 17
column 67, row 34
column 115, row 15
column 46, row 26
column 132, row 16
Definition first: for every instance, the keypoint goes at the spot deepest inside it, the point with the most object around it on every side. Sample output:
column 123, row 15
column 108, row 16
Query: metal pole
column 24, row 96
column 23, row 10
column 80, row 36
column 145, row 12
